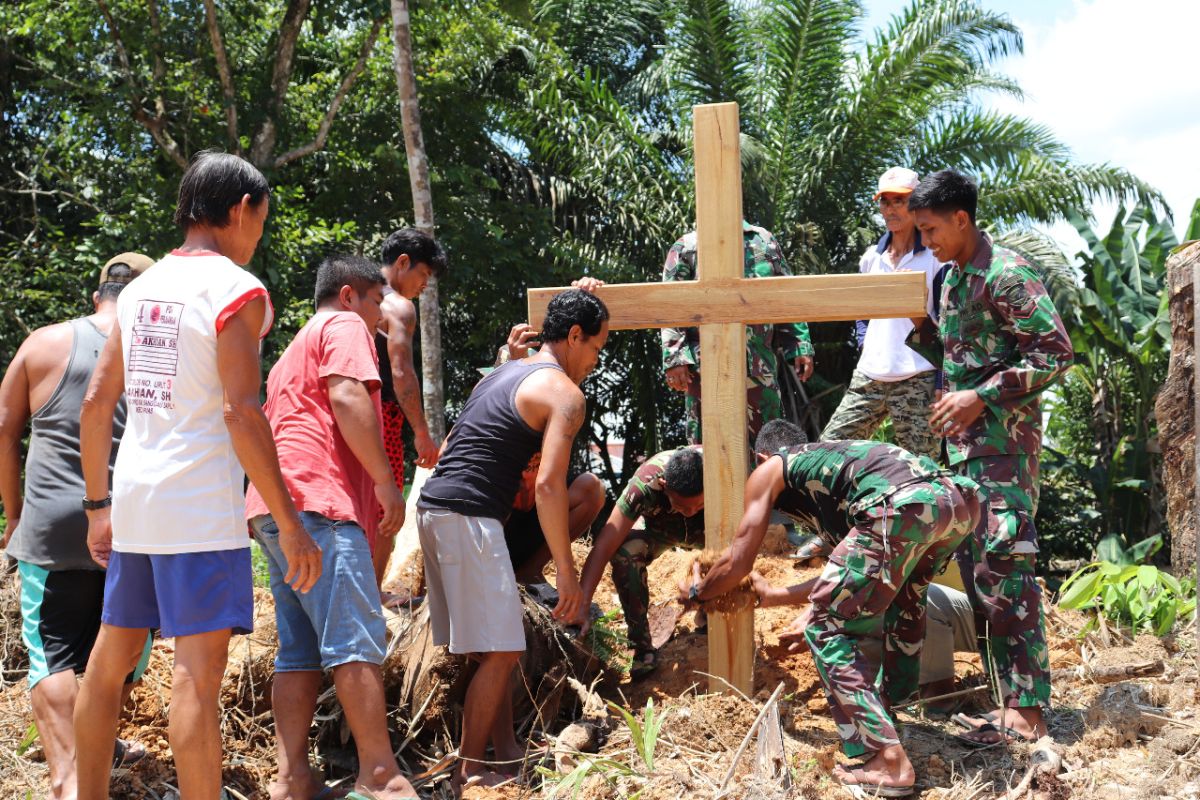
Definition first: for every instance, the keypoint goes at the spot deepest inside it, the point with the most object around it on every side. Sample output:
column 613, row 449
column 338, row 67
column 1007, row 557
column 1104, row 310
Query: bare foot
column 398, row 788
column 887, row 769
column 509, row 759
column 476, row 777
column 300, row 789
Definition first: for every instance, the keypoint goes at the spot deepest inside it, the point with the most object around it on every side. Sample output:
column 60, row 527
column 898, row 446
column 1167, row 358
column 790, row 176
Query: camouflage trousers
column 997, row 565
column 867, row 403
column 874, row 588
column 629, row 574
column 763, row 404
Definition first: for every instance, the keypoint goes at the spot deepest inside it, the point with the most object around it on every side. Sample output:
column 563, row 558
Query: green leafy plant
column 30, row 738
column 645, row 733
column 1140, row 596
column 608, row 643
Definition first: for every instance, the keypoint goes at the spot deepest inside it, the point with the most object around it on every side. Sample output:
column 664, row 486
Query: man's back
column 52, row 532
column 176, row 455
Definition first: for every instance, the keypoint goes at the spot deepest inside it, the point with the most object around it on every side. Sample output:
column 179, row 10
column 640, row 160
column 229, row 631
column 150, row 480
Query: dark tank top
column 480, row 470
column 387, row 389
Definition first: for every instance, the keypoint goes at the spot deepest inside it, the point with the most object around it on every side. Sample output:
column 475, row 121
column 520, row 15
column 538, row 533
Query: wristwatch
column 96, row 505
column 694, row 593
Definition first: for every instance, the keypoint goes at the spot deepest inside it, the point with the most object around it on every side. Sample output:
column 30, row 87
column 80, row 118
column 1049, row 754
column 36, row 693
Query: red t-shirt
column 319, row 469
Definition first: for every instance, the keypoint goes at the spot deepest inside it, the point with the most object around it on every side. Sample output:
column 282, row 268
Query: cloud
column 1115, row 81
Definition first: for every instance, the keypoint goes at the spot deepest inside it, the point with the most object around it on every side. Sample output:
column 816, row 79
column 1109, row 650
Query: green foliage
column 609, row 643
column 1139, row 596
column 28, row 740
column 643, row 736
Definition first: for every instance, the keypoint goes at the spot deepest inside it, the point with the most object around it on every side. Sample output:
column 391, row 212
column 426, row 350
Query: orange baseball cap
column 897, row 180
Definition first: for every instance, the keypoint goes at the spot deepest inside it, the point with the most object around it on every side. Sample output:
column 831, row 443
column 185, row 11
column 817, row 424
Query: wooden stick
column 1081, row 673
column 745, row 741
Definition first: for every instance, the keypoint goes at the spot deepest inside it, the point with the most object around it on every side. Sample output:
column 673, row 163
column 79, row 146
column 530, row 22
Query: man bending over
column 896, row 518
column 526, row 406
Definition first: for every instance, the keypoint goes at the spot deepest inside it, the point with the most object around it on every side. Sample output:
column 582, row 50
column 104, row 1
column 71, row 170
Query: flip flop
column 126, row 754
column 867, row 789
column 967, row 721
column 1009, row 734
column 372, row 796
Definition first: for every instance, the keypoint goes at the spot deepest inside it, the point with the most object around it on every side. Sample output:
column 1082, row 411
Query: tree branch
column 156, row 125
column 225, row 73
column 347, row 84
column 281, row 76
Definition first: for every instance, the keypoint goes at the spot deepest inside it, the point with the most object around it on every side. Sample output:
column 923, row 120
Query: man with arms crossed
column 62, row 588
column 521, row 408
column 1003, row 344
column 185, row 353
column 890, row 379
column 410, row 259
column 323, row 404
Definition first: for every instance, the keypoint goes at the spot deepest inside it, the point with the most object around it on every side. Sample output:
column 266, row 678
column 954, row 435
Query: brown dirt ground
column 1129, row 740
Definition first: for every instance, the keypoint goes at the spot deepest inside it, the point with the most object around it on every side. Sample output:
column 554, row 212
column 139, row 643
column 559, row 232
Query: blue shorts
column 340, row 620
column 181, row 594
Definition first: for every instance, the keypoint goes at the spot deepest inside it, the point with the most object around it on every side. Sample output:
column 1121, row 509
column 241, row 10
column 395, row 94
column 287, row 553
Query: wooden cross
column 722, row 302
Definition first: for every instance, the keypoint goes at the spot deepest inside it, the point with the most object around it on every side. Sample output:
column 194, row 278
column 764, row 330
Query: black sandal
column 644, row 663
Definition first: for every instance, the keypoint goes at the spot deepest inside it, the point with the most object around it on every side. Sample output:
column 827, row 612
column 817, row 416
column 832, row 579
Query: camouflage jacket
column 645, row 496
column 764, row 259
column 998, row 334
column 829, row 484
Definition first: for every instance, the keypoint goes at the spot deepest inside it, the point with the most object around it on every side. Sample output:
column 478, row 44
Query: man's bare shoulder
column 551, row 391
column 47, row 346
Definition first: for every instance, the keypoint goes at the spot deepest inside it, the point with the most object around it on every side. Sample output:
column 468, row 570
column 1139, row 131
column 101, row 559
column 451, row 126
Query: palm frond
column 707, row 53
column 1060, row 276
column 1038, row 189
column 985, row 140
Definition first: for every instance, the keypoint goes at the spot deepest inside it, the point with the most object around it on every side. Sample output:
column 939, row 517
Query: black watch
column 96, row 505
column 694, row 593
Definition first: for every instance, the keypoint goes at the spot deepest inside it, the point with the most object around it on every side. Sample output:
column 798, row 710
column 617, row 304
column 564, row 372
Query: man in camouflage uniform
column 681, row 347
column 891, row 380
column 894, row 519
column 662, row 507
column 1003, row 344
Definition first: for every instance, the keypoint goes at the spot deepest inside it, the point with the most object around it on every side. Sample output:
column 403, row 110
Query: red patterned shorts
column 393, row 445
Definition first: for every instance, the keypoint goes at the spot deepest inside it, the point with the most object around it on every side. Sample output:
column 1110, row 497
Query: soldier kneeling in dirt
column 898, row 517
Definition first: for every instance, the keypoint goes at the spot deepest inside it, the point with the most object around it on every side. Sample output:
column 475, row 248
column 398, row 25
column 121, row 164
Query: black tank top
column 387, row 389
column 488, row 449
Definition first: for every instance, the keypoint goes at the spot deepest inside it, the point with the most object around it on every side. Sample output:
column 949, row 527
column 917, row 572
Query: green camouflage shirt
column 831, row 483
column 764, row 259
column 645, row 496
column 1002, row 337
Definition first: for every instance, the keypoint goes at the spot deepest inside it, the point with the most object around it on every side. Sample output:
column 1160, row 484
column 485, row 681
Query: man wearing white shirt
column 892, row 380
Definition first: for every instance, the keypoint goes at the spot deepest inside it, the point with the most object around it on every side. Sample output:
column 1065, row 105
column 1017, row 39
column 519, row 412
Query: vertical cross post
column 720, row 257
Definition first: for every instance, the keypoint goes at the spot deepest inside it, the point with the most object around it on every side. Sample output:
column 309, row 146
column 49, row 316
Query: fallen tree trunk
column 433, row 682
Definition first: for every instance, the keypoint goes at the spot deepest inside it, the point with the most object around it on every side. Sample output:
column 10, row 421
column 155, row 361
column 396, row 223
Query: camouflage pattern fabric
column 999, row 334
column 874, row 587
column 657, row 530
column 997, row 564
column 764, row 259
column 867, row 403
column 828, row 484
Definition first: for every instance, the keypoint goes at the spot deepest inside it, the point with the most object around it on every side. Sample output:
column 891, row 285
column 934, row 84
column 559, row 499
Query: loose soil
column 1128, row 740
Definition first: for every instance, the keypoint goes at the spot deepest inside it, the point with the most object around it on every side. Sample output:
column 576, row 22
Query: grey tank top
column 480, row 471
column 52, row 532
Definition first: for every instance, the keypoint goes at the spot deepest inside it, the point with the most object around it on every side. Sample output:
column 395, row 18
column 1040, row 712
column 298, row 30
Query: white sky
column 1116, row 80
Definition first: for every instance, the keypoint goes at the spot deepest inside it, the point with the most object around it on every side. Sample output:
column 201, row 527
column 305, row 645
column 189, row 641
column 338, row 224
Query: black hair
column 570, row 308
column 119, row 276
column 214, row 183
column 684, row 473
column 945, row 191
column 421, row 248
column 336, row 271
column 779, row 434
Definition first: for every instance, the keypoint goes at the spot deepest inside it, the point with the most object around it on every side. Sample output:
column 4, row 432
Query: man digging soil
column 898, row 517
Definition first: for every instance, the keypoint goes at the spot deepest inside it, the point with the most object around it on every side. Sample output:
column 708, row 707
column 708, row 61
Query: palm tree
column 604, row 133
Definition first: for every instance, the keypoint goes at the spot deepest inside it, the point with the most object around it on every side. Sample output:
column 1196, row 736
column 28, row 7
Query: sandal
column 126, row 754
column 1006, row 735
column 644, row 663
column 866, row 788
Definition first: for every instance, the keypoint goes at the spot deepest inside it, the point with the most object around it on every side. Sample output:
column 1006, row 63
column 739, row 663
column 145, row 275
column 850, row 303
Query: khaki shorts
column 473, row 601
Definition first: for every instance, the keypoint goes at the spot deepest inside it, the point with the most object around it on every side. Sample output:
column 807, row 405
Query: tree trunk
column 1176, row 411
column 418, row 178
